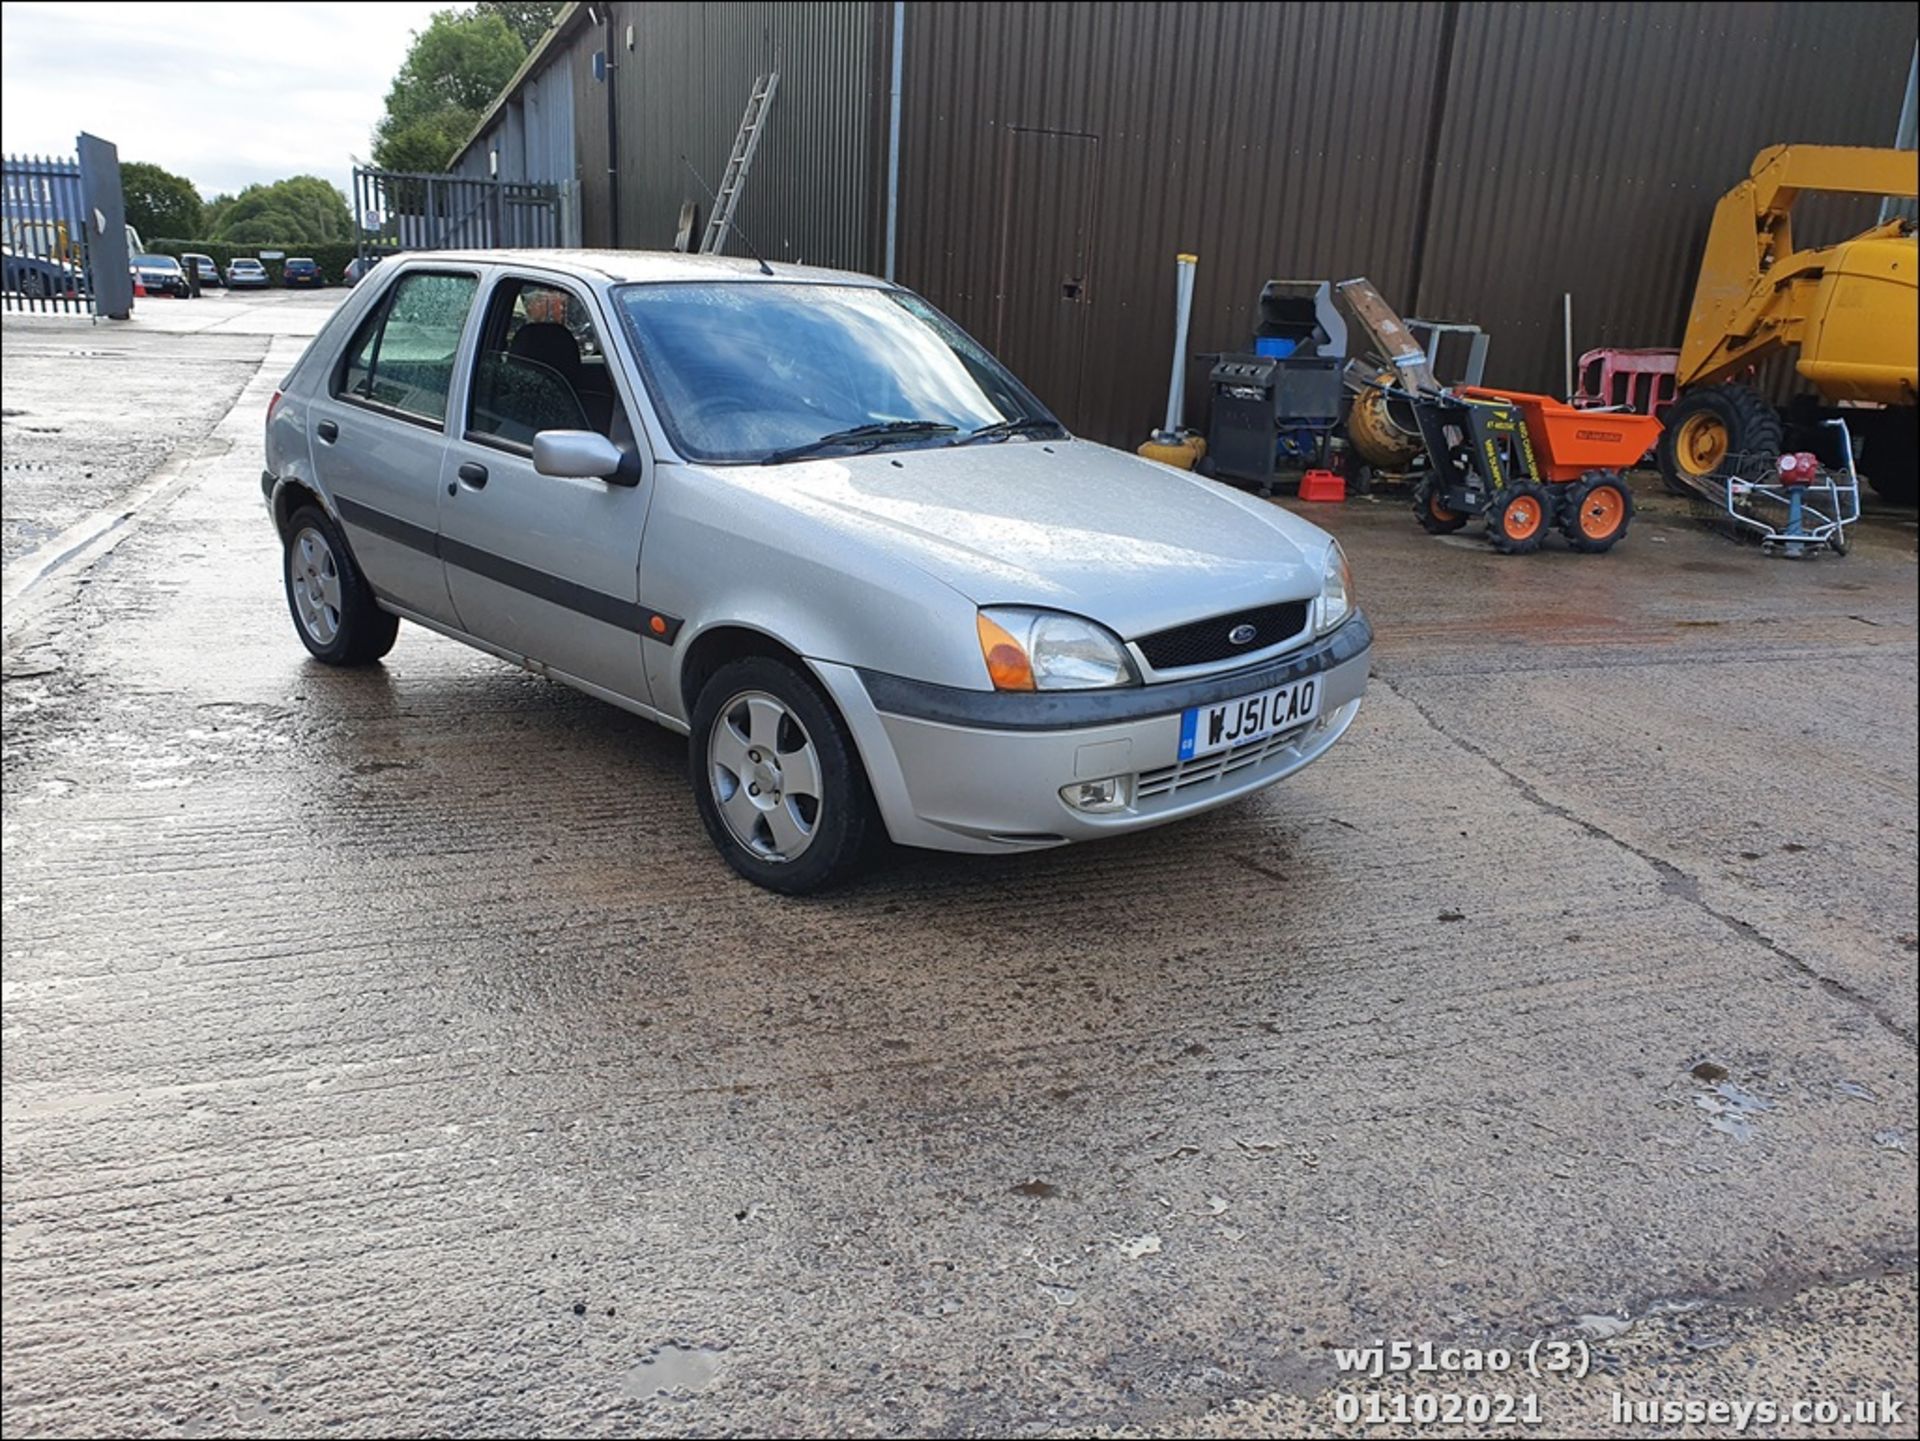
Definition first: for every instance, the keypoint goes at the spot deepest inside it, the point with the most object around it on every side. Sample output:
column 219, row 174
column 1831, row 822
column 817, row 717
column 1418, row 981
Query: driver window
column 541, row 367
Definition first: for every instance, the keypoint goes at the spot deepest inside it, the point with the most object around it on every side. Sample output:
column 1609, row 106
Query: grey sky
column 224, row 94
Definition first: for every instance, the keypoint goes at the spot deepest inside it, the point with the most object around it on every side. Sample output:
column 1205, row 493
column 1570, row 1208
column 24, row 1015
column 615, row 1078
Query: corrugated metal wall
column 533, row 135
column 1476, row 160
column 1584, row 146
column 1270, row 139
column 681, row 90
column 1575, row 146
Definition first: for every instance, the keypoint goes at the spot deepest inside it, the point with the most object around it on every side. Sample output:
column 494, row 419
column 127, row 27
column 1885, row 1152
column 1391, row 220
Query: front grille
column 1203, row 642
column 1215, row 768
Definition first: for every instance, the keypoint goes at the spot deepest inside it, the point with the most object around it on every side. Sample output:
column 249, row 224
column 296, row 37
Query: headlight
column 1336, row 591
column 1048, row 650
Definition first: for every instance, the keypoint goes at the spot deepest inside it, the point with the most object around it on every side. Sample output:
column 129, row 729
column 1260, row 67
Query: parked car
column 203, row 267
column 358, row 268
column 246, row 272
column 161, row 275
column 805, row 519
column 299, row 270
column 37, row 277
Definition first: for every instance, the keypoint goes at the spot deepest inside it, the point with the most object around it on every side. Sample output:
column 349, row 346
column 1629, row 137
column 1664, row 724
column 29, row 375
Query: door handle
column 329, row 432
column 474, row 474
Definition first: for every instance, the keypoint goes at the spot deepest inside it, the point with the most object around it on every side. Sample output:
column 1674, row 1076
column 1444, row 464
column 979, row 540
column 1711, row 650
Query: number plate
column 1209, row 728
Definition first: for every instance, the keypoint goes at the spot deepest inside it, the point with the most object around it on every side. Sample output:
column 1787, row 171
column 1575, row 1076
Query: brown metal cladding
column 1270, row 139
column 1476, row 160
column 590, row 138
column 1584, row 147
column 682, row 89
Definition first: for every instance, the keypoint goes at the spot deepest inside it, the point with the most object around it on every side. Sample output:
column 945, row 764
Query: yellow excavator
column 1850, row 310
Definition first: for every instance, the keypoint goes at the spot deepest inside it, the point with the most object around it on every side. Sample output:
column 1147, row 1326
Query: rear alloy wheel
column 1519, row 517
column 1434, row 517
column 1713, row 427
column 777, row 779
column 333, row 606
column 1599, row 508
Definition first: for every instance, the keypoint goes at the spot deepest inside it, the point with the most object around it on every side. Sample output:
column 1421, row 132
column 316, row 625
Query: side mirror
column 582, row 455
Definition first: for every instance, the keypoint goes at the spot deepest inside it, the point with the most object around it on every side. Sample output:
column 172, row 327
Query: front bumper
column 980, row 771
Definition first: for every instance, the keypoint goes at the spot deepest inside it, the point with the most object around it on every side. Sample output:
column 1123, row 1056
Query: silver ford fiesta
column 800, row 516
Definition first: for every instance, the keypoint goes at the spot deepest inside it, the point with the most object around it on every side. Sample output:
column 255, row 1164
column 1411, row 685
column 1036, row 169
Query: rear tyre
column 333, row 607
column 1434, row 517
column 1713, row 425
column 1598, row 509
column 1519, row 518
column 777, row 779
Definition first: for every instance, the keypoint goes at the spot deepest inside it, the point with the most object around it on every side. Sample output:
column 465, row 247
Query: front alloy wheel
column 765, row 776
column 777, row 777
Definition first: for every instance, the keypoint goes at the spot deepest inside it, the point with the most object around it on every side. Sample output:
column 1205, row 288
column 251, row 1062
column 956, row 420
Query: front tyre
column 333, row 607
column 1597, row 511
column 1713, row 428
column 777, row 779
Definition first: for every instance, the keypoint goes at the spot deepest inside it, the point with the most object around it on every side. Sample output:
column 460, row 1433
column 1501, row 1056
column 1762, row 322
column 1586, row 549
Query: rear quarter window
column 401, row 358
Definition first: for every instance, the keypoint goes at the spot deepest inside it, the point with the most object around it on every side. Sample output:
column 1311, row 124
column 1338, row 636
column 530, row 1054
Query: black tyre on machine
column 1712, row 426
column 1596, row 511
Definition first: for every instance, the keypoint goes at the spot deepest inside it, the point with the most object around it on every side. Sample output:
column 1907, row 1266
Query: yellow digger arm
column 1755, row 290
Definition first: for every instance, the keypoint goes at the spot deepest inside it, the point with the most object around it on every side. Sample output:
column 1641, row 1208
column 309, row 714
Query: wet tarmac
column 389, row 1050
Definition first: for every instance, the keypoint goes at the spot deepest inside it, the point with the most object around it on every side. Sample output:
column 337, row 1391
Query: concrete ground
column 388, row 1051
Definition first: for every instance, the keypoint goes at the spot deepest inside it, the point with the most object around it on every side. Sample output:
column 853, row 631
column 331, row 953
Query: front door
column 378, row 436
column 546, row 567
column 1043, row 283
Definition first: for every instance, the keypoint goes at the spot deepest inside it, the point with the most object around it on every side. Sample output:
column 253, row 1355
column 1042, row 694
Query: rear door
column 379, row 434
column 545, row 567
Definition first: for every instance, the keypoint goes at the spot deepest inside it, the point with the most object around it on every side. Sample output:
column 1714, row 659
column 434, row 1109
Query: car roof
column 648, row 265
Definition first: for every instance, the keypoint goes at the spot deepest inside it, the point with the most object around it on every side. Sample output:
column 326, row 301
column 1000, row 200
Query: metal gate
column 66, row 233
column 395, row 211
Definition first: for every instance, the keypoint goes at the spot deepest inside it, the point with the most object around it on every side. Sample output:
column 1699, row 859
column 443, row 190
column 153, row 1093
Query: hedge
column 331, row 257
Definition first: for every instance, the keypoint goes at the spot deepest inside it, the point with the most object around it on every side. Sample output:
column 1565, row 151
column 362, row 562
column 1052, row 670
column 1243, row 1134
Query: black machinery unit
column 1266, row 407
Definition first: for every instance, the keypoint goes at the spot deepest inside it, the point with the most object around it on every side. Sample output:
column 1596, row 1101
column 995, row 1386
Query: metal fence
column 65, row 233
column 396, row 211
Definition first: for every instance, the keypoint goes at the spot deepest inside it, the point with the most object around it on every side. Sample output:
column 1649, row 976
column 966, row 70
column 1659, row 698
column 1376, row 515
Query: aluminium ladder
column 734, row 180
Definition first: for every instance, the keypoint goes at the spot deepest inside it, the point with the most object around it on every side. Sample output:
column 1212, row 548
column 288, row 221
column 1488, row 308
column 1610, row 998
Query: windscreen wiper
column 1001, row 429
column 869, row 435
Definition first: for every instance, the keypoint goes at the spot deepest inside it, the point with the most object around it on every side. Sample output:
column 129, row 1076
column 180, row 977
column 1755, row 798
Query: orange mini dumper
column 1528, row 463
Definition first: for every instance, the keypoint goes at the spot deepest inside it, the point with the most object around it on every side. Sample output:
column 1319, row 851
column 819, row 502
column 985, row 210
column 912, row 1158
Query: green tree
column 302, row 210
column 528, row 19
column 160, row 202
column 425, row 144
column 451, row 74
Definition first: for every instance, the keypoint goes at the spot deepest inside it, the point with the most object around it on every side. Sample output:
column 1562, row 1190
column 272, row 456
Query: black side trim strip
column 1071, row 710
column 403, row 532
column 642, row 620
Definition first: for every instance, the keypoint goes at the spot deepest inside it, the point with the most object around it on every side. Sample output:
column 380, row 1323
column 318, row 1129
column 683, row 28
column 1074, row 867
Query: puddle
column 673, row 1368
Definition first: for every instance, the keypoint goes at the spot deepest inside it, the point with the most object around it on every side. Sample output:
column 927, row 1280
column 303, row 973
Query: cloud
column 225, row 94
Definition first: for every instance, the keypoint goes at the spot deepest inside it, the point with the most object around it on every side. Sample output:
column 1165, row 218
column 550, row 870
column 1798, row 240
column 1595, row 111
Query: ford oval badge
column 1241, row 634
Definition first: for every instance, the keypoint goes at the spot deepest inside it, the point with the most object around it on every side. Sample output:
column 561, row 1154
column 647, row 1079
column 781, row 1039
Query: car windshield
column 157, row 262
column 743, row 372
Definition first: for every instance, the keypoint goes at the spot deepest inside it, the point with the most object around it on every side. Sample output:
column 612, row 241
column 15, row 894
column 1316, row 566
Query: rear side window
column 401, row 358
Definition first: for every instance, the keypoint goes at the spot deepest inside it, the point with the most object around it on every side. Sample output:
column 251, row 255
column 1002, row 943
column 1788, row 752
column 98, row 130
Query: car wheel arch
column 721, row 643
column 289, row 494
